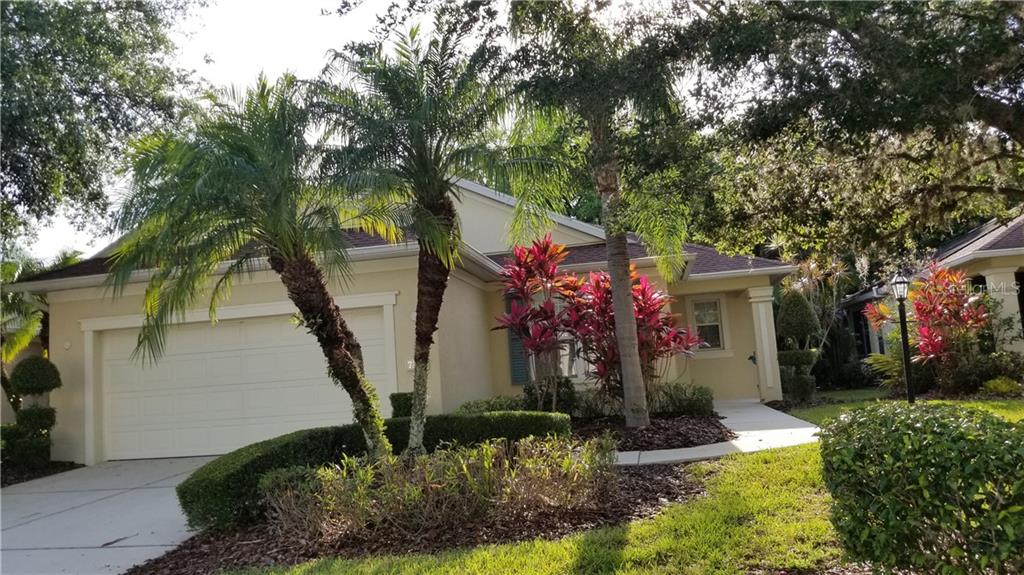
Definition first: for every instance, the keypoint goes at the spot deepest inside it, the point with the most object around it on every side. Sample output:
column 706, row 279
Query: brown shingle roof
column 101, row 264
column 992, row 235
column 706, row 259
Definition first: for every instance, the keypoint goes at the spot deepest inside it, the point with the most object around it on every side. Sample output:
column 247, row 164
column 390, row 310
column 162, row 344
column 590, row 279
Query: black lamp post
column 900, row 286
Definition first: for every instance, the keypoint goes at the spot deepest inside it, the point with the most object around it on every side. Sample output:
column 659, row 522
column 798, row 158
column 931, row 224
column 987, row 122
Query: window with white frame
column 707, row 316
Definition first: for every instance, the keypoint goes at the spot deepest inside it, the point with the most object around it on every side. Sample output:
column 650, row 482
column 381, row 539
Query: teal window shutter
column 518, row 362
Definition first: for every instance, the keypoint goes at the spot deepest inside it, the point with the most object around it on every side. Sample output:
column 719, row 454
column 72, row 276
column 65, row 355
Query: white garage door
column 220, row 387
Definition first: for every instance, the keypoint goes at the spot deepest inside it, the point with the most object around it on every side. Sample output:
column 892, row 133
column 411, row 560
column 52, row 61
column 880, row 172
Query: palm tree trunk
column 606, row 179
column 431, row 283
column 307, row 288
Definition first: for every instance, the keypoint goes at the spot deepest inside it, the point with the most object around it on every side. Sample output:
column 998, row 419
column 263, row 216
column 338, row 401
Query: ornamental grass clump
column 450, row 488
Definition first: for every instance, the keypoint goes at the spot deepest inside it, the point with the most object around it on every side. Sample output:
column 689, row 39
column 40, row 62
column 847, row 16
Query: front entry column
column 768, row 380
column 1001, row 285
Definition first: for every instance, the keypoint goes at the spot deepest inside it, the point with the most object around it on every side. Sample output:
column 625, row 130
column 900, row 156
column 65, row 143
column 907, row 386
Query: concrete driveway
column 100, row 519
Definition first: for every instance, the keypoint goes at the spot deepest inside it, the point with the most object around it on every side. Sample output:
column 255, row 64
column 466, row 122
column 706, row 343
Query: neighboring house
column 255, row 375
column 992, row 257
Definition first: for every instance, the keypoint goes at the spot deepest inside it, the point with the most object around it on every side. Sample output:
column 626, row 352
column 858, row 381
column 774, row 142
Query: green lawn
column 763, row 511
column 766, row 510
column 1010, row 409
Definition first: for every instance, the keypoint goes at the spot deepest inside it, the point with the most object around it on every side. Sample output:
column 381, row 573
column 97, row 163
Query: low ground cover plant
column 1002, row 386
column 930, row 487
column 450, row 488
column 224, row 492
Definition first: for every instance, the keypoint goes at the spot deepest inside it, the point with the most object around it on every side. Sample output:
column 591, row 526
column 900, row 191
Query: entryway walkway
column 94, row 520
column 758, row 427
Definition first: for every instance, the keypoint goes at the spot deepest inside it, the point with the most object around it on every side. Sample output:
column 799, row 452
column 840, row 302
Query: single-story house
column 255, row 375
column 990, row 255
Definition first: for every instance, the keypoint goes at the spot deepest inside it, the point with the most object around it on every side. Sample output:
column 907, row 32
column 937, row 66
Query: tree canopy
column 77, row 79
column 871, row 127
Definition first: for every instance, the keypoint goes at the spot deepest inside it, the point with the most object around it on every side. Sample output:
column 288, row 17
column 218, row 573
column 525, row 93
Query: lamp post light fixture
column 900, row 287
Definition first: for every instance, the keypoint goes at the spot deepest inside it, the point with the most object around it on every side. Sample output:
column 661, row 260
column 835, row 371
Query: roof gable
column 485, row 216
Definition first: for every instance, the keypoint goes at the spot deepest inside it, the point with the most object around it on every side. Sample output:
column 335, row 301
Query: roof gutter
column 776, row 270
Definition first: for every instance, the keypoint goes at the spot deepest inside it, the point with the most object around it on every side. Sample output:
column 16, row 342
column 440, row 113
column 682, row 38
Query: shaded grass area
column 766, row 510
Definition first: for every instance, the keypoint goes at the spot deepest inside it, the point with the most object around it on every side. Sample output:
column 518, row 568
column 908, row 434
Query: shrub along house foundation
column 253, row 375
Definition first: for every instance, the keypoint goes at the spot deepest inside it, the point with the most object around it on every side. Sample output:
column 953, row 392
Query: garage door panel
column 219, row 387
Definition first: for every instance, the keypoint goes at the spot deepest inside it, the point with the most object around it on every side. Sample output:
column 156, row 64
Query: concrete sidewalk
column 94, row 520
column 758, row 427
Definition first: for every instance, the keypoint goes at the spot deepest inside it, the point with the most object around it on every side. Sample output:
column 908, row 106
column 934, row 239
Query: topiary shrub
column 497, row 403
column 224, row 492
column 795, row 371
column 401, row 404
column 929, row 488
column 34, row 375
column 36, row 419
column 797, row 357
column 798, row 387
column 797, row 320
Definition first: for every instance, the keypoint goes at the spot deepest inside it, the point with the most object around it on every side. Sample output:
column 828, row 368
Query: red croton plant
column 947, row 314
column 548, row 308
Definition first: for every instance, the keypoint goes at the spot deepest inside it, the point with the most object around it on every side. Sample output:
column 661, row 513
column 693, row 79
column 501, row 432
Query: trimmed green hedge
column 927, row 487
column 496, row 403
column 225, row 491
column 401, row 404
column 23, row 449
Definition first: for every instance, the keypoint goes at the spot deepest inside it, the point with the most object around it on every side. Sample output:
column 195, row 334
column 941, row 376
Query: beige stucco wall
column 728, row 373
column 69, row 307
column 485, row 225
column 976, row 267
column 463, row 341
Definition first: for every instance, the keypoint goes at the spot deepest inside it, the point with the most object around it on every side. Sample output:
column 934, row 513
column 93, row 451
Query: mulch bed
column 636, row 492
column 664, row 432
column 11, row 475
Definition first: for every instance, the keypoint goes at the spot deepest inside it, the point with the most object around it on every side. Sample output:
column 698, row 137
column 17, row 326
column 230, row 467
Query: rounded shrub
column 927, row 487
column 225, row 491
column 797, row 319
column 36, row 419
column 35, row 375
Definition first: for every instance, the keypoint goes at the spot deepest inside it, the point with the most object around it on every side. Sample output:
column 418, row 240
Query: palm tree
column 413, row 124
column 235, row 191
column 614, row 79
